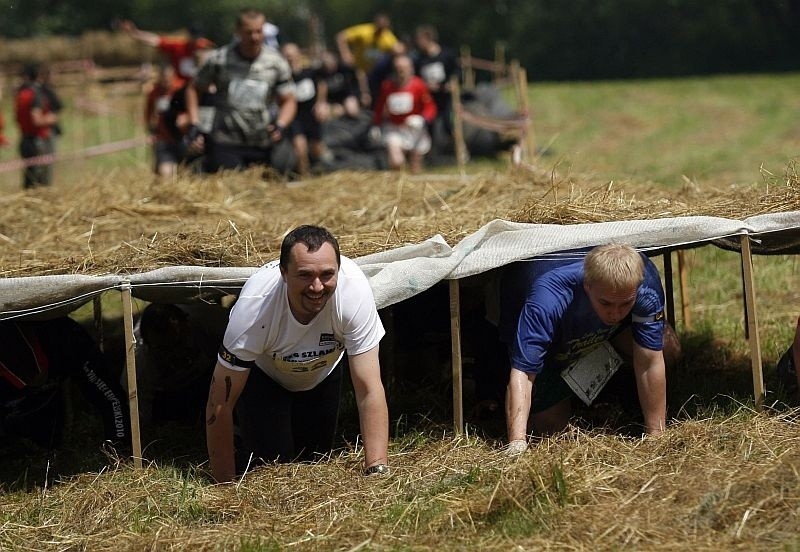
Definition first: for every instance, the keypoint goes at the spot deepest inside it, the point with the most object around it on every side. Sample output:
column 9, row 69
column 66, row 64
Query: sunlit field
column 724, row 475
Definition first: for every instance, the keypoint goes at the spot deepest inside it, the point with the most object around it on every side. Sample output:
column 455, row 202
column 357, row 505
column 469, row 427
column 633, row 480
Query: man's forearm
column 374, row 417
column 651, row 385
column 518, row 404
column 219, row 436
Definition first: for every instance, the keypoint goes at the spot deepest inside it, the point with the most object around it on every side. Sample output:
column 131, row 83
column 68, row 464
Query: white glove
column 415, row 121
column 516, row 447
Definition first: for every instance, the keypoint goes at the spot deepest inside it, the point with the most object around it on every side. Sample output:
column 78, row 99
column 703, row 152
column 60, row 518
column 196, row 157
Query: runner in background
column 35, row 119
column 361, row 46
column 403, row 111
column 181, row 51
column 306, row 130
column 167, row 146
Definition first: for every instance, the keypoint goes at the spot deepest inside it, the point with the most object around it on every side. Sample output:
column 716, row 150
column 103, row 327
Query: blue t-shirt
column 558, row 324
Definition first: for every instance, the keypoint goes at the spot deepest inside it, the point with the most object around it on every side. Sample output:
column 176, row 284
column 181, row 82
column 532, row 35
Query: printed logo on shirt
column 326, row 339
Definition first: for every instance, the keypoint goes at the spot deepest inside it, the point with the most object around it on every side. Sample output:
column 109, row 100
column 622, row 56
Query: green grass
column 715, row 131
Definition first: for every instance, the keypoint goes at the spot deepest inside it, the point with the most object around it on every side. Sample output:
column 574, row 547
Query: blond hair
column 616, row 265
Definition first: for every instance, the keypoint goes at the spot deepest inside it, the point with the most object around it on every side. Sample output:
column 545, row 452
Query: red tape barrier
column 92, row 151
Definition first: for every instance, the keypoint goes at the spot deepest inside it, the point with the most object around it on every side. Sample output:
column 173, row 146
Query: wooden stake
column 682, row 271
column 458, row 126
column 130, row 365
column 752, row 322
column 529, row 138
column 500, row 62
column 669, row 290
column 455, row 340
column 467, row 72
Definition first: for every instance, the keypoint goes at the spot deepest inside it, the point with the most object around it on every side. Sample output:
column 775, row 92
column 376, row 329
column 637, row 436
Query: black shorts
column 277, row 424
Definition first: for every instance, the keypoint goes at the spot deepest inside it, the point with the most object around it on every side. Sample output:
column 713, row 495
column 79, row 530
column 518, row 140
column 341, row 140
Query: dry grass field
column 724, row 476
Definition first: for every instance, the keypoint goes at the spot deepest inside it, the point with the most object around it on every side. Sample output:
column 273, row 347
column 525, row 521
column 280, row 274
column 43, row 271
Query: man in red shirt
column 181, row 52
column 405, row 108
column 35, row 120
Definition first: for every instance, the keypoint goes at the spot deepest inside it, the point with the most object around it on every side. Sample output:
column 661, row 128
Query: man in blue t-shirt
column 613, row 296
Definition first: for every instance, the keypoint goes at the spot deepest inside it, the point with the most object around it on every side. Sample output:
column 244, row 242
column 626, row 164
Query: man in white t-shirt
column 288, row 332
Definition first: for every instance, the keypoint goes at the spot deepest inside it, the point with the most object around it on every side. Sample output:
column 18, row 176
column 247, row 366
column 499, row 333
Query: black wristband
column 377, row 469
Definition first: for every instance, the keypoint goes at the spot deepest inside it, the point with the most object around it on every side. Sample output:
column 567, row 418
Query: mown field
column 724, row 476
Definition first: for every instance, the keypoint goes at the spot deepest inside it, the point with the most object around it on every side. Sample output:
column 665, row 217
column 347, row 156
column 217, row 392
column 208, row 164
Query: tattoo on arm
column 211, row 420
column 228, row 384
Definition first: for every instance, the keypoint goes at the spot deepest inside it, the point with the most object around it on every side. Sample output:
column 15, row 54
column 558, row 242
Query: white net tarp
column 400, row 273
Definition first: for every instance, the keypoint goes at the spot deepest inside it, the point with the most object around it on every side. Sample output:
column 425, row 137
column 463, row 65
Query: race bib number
column 589, row 374
column 248, row 94
column 400, row 103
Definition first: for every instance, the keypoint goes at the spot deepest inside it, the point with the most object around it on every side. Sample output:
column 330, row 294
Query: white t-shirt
column 263, row 332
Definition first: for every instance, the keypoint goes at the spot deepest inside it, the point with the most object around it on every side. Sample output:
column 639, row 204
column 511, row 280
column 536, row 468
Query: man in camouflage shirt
column 247, row 77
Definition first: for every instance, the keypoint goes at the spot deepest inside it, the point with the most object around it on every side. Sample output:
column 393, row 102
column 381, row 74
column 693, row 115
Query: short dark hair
column 31, row 71
column 160, row 322
column 312, row 237
column 248, row 13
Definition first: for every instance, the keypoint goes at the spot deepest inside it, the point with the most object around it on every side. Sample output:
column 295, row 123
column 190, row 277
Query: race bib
column 248, row 94
column 589, row 374
column 304, row 90
column 434, row 73
column 400, row 103
column 187, row 67
column 162, row 104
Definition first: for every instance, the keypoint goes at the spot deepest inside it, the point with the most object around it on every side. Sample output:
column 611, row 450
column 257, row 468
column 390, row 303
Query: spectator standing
column 405, row 108
column 3, row 139
column 35, row 119
column 361, row 46
column 248, row 78
column 181, row 51
column 280, row 363
column 570, row 312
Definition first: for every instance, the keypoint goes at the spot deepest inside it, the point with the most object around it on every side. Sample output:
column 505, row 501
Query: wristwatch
column 379, row 469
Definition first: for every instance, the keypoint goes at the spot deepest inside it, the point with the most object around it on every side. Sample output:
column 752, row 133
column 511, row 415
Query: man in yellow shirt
column 361, row 46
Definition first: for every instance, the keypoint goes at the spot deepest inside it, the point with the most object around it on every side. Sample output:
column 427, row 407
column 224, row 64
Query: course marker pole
column 752, row 322
column 130, row 365
column 455, row 341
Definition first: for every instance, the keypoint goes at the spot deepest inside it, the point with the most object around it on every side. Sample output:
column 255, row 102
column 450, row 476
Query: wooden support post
column 682, row 271
column 467, row 72
column 500, row 62
column 752, row 322
column 130, row 365
column 529, row 145
column 458, row 126
column 455, row 340
column 669, row 290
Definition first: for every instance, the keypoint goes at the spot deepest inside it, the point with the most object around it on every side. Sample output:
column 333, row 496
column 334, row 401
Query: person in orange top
column 181, row 52
column 166, row 134
column 35, row 119
column 3, row 140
